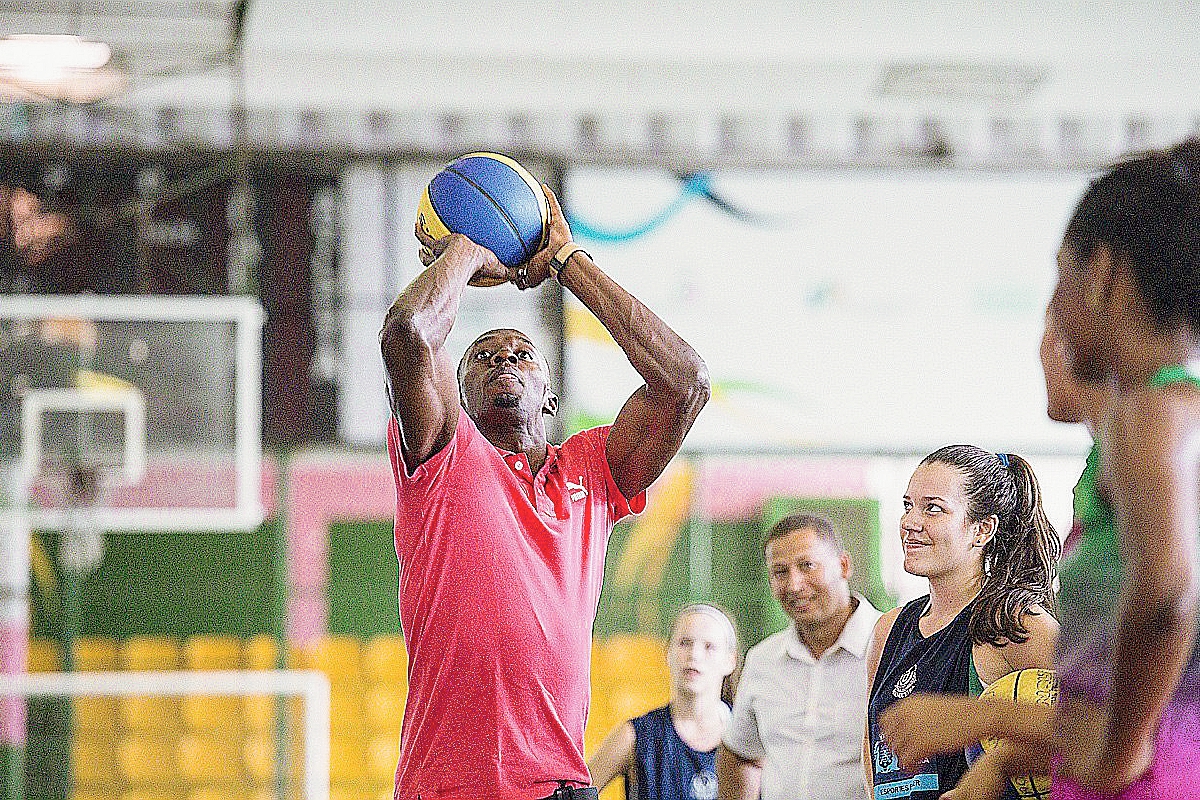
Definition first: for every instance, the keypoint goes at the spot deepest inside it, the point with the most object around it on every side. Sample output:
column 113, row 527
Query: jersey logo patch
column 905, row 685
column 577, row 490
column 885, row 759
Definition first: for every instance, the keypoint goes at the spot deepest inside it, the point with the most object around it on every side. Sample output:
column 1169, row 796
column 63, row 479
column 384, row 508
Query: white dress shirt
column 803, row 717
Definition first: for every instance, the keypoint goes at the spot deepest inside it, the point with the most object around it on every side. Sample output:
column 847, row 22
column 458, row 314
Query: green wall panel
column 363, row 579
column 175, row 584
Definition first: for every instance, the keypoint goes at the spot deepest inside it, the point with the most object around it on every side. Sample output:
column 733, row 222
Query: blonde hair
column 712, row 611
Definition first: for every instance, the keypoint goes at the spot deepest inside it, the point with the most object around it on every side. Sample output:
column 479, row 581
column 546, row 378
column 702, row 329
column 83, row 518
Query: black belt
column 565, row 792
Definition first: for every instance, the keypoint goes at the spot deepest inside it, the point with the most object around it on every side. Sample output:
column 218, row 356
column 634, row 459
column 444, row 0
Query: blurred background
column 851, row 210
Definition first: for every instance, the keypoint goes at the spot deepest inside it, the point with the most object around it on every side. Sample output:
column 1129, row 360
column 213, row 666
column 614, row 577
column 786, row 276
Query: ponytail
column 1019, row 564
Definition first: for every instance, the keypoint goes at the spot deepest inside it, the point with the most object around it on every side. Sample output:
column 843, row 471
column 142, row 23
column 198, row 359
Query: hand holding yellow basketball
column 1033, row 686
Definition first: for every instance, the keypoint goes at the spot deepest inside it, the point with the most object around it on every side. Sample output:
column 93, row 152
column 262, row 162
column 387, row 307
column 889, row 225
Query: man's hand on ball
column 538, row 267
column 488, row 271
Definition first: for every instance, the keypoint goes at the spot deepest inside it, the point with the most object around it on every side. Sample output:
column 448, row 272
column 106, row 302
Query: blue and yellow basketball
column 1039, row 686
column 493, row 201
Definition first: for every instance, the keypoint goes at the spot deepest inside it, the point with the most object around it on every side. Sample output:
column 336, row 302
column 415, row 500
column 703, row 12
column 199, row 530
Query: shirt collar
column 855, row 636
column 518, row 463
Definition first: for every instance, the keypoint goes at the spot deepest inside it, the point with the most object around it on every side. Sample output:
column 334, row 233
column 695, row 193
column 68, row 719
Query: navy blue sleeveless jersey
column 667, row 769
column 912, row 663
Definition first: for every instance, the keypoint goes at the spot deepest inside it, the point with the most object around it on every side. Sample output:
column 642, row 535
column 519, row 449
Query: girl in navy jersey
column 974, row 526
column 670, row 752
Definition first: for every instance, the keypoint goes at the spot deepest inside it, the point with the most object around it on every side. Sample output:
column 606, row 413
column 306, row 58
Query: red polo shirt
column 500, row 574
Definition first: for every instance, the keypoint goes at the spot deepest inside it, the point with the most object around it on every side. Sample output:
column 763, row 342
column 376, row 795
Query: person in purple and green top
column 1127, row 307
column 1128, row 303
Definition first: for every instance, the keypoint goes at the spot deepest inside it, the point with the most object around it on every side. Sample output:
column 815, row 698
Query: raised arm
column 422, row 383
column 649, row 430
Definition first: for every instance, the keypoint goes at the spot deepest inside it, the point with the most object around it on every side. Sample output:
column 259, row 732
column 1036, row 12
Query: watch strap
column 559, row 261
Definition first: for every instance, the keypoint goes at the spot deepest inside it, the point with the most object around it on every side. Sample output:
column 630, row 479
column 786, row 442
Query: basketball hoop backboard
column 159, row 395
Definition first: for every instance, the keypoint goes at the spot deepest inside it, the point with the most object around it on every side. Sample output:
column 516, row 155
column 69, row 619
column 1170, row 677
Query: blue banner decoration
column 694, row 185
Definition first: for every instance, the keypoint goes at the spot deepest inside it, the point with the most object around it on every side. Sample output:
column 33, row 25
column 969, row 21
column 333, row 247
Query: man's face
column 502, row 375
column 809, row 577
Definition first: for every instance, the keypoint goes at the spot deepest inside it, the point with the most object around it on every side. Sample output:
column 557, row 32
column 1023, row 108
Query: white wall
column 870, row 312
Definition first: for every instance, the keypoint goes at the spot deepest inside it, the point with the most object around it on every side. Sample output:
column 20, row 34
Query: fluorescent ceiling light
column 979, row 80
column 41, row 58
column 57, row 66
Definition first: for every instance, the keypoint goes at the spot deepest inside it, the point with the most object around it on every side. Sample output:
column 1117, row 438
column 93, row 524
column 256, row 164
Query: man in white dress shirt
column 798, row 715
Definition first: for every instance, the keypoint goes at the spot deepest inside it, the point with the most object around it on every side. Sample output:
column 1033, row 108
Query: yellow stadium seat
column 95, row 654
column 346, row 707
column 210, row 759
column 223, row 793
column 385, row 708
column 628, row 656
column 634, row 700
column 385, row 661
column 150, row 714
column 96, row 715
column 212, row 713
column 337, row 656
column 258, row 754
column 150, row 653
column 44, row 656
column 152, row 794
column 212, row 652
column 83, row 793
column 260, row 652
column 260, row 712
column 347, row 759
column 148, row 761
column 600, row 723
column 383, row 752
column 597, row 657
column 614, row 791
column 94, row 763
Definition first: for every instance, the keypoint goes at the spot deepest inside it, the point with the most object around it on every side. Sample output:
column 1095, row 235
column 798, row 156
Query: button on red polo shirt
column 500, row 574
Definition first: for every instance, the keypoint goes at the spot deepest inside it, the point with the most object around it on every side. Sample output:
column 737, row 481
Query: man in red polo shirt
column 500, row 534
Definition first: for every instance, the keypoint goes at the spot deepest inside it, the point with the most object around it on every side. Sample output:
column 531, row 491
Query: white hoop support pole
column 311, row 685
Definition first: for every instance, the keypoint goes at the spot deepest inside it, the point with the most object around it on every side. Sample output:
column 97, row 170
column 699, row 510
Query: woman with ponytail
column 975, row 528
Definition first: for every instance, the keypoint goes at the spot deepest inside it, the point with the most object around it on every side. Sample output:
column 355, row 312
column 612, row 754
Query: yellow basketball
column 1035, row 686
